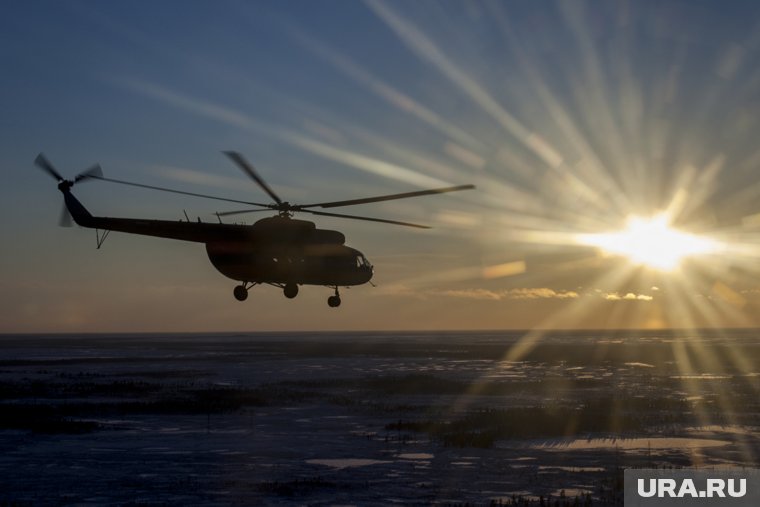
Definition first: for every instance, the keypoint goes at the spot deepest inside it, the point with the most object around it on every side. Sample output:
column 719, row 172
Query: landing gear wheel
column 333, row 301
column 290, row 290
column 240, row 292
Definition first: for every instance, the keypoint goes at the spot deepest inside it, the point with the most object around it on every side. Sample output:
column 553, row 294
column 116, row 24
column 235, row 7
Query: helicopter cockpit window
column 361, row 261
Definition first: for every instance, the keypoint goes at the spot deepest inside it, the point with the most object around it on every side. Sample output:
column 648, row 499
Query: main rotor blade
column 248, row 168
column 193, row 194
column 93, row 172
column 239, row 212
column 46, row 166
column 352, row 202
column 369, row 219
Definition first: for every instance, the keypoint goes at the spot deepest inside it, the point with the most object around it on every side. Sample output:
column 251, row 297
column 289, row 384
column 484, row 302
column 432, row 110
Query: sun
column 652, row 242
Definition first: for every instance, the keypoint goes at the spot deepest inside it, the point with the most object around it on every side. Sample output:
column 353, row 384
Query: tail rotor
column 44, row 164
column 94, row 172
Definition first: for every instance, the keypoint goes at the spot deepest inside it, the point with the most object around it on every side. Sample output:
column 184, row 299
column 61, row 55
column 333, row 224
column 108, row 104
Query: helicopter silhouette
column 279, row 250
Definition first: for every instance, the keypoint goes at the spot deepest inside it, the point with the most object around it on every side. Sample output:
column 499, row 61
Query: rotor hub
column 285, row 210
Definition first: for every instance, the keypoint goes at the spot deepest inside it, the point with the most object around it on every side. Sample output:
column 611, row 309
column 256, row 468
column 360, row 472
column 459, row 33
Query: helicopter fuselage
column 275, row 250
column 285, row 250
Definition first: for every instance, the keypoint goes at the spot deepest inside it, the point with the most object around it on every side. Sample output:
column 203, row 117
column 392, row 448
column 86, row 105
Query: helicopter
column 279, row 250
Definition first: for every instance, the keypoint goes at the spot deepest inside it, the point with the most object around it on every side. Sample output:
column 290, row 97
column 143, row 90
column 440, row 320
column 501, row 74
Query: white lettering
column 732, row 491
column 716, row 486
column 652, row 488
column 667, row 486
column 688, row 488
column 685, row 488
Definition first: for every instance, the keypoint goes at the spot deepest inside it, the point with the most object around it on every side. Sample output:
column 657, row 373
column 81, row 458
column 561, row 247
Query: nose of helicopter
column 366, row 268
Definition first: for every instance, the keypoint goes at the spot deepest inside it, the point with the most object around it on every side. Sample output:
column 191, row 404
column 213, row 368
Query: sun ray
column 590, row 167
column 426, row 49
column 393, row 96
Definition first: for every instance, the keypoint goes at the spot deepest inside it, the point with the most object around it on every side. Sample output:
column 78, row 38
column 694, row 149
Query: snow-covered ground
column 323, row 420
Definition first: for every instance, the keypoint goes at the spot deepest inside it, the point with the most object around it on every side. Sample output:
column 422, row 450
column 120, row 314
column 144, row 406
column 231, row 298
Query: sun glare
column 652, row 242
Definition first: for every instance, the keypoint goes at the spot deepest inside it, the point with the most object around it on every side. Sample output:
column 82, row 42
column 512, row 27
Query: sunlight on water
column 346, row 463
column 415, row 456
column 630, row 443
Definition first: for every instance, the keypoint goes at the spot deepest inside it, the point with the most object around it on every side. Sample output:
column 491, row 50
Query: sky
column 613, row 146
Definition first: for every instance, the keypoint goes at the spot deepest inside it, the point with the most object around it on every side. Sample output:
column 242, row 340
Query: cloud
column 502, row 270
column 541, row 293
column 472, row 294
column 519, row 294
column 629, row 296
